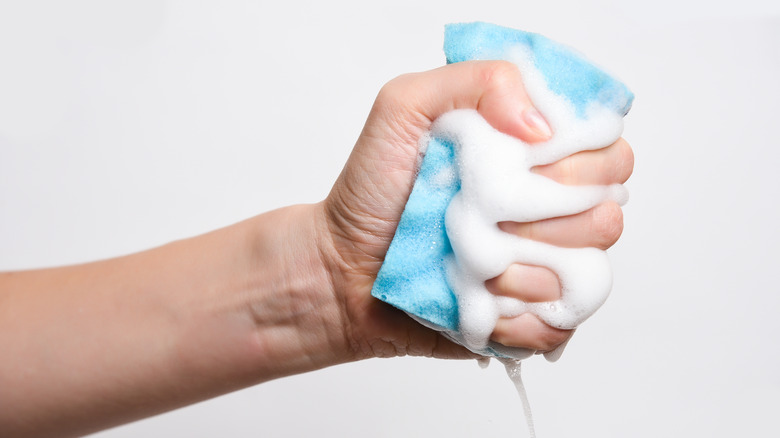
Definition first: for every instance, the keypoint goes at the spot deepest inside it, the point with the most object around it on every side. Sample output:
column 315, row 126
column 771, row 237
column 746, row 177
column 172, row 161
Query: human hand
column 599, row 227
column 285, row 292
column 364, row 207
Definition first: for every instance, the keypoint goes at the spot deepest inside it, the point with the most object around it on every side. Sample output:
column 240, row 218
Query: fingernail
column 535, row 121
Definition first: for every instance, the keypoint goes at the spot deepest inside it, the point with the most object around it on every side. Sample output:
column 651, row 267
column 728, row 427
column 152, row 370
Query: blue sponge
column 566, row 72
column 414, row 276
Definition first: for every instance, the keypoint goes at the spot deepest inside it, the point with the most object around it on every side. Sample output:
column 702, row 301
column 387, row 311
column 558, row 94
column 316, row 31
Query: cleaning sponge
column 472, row 177
column 566, row 73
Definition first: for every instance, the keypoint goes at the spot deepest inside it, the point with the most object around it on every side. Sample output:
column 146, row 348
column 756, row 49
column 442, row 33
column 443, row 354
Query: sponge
column 472, row 177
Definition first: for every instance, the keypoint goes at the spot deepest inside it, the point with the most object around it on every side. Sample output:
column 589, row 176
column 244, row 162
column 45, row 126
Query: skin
column 96, row 345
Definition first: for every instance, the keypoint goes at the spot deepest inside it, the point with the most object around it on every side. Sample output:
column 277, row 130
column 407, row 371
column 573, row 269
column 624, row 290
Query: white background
column 127, row 124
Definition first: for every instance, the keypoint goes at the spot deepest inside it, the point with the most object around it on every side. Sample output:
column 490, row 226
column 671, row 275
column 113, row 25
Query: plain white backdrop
column 128, row 124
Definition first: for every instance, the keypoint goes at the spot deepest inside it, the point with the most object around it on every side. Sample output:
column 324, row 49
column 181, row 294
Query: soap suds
column 497, row 185
column 473, row 177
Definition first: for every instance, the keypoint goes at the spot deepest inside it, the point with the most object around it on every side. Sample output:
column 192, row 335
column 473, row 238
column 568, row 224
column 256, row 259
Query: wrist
column 298, row 319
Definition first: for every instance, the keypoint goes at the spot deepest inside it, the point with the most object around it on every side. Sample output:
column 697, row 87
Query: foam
column 472, row 177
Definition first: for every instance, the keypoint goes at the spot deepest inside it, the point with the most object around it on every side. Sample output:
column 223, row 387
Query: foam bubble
column 473, row 177
column 497, row 185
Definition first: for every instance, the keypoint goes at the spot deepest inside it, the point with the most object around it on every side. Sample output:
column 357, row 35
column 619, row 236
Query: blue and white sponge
column 472, row 177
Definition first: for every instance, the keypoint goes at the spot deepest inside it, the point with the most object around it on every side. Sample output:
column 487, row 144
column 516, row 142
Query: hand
column 94, row 345
column 366, row 202
column 599, row 227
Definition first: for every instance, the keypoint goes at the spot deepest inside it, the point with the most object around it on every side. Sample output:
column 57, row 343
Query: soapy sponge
column 447, row 242
column 566, row 72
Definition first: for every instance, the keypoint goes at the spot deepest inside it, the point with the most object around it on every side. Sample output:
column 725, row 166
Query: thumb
column 494, row 88
column 367, row 200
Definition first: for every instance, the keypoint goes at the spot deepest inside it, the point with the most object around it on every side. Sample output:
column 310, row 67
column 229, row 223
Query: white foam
column 497, row 185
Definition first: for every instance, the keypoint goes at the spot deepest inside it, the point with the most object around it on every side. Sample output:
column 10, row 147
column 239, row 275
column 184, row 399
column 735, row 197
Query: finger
column 532, row 284
column 600, row 227
column 494, row 88
column 611, row 165
column 527, row 331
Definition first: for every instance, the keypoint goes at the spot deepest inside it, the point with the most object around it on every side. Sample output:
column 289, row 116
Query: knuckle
column 625, row 161
column 394, row 89
column 498, row 74
column 607, row 224
column 397, row 106
column 550, row 340
column 568, row 169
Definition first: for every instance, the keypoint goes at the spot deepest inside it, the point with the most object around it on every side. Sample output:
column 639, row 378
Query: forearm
column 90, row 346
